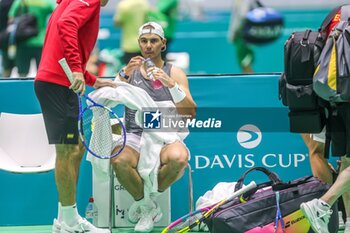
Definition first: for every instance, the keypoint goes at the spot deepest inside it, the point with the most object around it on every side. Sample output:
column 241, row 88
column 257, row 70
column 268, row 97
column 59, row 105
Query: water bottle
column 156, row 84
column 91, row 213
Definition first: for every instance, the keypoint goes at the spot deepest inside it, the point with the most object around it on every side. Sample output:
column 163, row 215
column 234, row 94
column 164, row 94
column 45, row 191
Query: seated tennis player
column 174, row 156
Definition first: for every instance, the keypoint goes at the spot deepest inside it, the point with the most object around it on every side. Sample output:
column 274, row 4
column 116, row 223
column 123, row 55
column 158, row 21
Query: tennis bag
column 302, row 51
column 255, row 211
column 332, row 75
column 262, row 25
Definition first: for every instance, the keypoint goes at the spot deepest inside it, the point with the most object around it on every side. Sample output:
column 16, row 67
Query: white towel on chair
column 151, row 142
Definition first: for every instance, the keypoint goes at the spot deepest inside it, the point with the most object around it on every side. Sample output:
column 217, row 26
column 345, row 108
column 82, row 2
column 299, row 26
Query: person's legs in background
column 318, row 211
column 23, row 59
column 345, row 163
column 7, row 63
column 244, row 54
column 321, row 168
column 319, row 165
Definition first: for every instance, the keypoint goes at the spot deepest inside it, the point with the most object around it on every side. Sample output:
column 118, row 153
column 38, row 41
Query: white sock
column 324, row 205
column 155, row 195
column 59, row 214
column 70, row 214
column 140, row 202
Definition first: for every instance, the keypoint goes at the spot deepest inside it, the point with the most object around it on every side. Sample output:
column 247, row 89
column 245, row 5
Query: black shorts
column 340, row 130
column 60, row 108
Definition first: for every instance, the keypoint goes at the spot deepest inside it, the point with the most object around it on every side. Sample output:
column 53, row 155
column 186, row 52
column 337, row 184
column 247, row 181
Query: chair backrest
column 23, row 138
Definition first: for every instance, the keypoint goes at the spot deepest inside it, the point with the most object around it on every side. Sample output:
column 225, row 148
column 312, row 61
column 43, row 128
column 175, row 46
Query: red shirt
column 71, row 33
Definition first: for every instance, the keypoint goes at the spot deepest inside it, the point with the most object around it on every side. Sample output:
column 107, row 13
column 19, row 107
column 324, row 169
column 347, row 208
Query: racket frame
column 68, row 72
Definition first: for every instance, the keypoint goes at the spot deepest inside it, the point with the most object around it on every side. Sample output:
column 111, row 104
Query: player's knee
column 68, row 151
column 120, row 163
column 179, row 161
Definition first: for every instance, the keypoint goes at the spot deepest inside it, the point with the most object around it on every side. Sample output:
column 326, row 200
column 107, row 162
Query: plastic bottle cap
column 91, row 199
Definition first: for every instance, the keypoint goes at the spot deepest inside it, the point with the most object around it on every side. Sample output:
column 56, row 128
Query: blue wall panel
column 215, row 155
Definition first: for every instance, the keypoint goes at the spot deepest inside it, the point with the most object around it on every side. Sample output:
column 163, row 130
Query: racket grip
column 244, row 189
column 66, row 69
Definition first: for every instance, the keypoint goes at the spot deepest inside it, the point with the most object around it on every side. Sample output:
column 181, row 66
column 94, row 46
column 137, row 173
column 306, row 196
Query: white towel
column 151, row 142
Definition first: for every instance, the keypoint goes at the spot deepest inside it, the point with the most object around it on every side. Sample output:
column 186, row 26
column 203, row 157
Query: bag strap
column 327, row 145
column 282, row 186
column 271, row 175
column 305, row 48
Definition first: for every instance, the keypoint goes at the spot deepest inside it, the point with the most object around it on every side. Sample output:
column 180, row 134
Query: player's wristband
column 177, row 93
column 123, row 74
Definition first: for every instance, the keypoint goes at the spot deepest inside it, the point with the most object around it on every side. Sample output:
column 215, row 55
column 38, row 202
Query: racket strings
column 100, row 130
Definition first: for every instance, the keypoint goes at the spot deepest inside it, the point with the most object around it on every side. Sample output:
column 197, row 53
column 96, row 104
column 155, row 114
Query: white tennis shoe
column 56, row 226
column 82, row 227
column 150, row 214
column 318, row 215
column 134, row 213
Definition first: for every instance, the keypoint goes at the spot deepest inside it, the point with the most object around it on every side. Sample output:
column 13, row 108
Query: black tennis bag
column 302, row 51
column 255, row 212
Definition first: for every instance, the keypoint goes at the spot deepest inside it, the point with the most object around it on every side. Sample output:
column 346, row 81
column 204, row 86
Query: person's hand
column 161, row 76
column 104, row 83
column 78, row 85
column 133, row 64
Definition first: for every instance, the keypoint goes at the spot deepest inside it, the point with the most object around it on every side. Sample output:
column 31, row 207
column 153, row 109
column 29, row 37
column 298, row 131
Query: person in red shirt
column 71, row 34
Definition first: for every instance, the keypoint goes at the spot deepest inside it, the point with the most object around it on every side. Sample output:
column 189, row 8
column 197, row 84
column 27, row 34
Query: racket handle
column 241, row 191
column 66, row 69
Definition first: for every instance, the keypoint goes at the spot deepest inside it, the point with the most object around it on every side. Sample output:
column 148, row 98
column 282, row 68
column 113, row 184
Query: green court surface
column 47, row 229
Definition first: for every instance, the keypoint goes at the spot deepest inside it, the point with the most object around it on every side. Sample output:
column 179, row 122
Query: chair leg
column 190, row 188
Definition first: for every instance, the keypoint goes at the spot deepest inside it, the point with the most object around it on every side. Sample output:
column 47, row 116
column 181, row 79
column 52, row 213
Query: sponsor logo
column 249, row 136
column 294, row 221
column 137, row 82
column 224, row 161
column 170, row 121
column 152, row 120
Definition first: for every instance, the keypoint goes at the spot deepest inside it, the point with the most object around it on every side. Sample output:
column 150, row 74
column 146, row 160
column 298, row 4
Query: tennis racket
column 94, row 117
column 191, row 220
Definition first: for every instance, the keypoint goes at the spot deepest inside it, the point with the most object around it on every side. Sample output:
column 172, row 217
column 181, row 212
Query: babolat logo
column 152, row 119
column 294, row 221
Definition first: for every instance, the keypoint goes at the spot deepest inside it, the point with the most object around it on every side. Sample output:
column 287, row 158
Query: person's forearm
column 186, row 108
